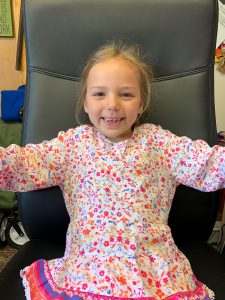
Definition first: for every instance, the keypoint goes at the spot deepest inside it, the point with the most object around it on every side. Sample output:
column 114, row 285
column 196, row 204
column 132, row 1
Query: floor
column 6, row 253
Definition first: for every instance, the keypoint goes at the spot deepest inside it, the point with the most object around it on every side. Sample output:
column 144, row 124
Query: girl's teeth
column 112, row 119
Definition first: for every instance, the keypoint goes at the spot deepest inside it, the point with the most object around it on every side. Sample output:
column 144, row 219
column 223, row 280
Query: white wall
column 220, row 99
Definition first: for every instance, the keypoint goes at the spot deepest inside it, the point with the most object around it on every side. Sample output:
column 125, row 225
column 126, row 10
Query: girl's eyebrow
column 128, row 87
column 121, row 88
column 97, row 87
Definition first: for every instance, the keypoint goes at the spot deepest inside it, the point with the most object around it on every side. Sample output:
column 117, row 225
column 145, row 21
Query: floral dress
column 118, row 196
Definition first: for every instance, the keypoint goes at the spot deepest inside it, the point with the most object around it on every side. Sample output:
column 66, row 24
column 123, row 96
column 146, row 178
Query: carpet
column 6, row 253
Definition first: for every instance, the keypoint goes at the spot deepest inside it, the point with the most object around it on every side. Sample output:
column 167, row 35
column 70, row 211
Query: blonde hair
column 128, row 52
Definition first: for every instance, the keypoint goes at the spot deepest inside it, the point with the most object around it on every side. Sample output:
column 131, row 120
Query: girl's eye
column 99, row 94
column 126, row 94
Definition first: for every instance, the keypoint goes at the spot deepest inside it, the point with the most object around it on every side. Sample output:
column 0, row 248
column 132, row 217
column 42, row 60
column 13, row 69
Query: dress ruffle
column 39, row 285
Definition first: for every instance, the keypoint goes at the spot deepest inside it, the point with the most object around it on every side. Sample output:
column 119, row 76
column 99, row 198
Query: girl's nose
column 113, row 103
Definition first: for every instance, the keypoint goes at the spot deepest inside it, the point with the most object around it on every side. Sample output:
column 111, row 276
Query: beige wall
column 10, row 78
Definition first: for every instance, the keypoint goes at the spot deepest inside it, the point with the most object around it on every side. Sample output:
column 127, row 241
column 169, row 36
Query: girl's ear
column 85, row 106
column 140, row 111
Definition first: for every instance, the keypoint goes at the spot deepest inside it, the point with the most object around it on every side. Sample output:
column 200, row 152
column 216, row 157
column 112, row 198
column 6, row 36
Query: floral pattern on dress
column 118, row 196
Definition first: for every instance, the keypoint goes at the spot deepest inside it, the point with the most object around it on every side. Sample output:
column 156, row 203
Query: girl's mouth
column 112, row 121
column 115, row 120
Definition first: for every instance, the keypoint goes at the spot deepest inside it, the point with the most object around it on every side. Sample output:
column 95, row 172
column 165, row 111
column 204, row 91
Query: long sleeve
column 33, row 166
column 195, row 163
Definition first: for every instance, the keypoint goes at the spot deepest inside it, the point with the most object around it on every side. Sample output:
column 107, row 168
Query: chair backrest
column 177, row 38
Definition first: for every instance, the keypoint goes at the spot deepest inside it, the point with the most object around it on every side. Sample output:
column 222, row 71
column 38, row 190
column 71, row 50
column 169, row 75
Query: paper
column 221, row 25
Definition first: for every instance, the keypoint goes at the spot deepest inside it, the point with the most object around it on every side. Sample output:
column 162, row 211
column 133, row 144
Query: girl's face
column 113, row 98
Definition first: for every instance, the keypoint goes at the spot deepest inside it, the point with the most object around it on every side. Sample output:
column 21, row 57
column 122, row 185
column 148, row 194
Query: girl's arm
column 33, row 166
column 195, row 163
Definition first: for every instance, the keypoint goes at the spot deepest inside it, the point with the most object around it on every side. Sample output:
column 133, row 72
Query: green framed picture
column 6, row 19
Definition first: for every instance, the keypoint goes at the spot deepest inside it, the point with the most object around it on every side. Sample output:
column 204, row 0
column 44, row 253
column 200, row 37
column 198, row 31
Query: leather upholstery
column 178, row 39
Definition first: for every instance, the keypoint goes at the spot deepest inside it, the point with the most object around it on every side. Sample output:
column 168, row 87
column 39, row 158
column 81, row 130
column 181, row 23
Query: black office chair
column 178, row 39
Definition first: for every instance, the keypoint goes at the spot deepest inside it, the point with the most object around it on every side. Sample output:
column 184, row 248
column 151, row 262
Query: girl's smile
column 113, row 98
column 112, row 122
